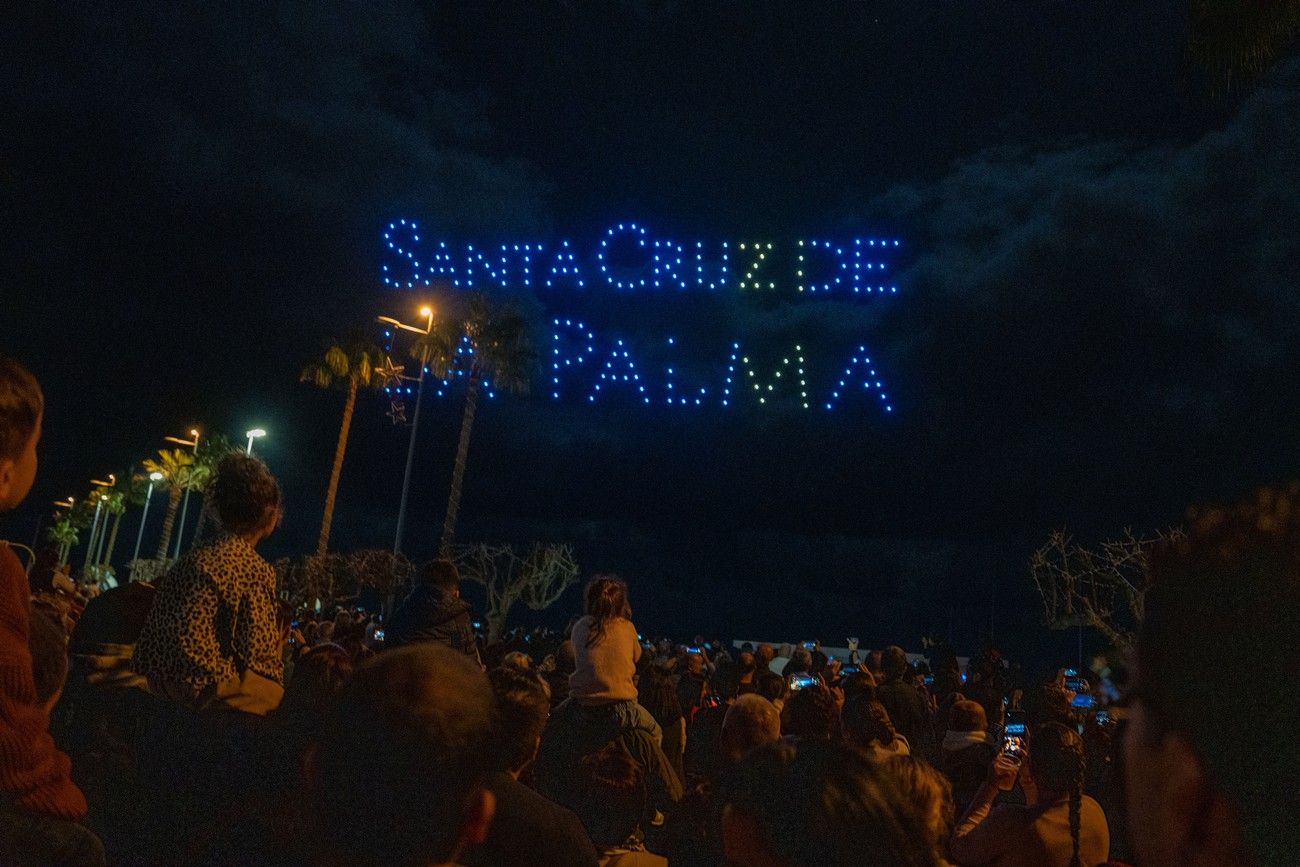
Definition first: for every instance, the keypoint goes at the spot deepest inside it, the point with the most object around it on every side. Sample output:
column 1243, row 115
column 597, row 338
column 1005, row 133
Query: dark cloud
column 1091, row 332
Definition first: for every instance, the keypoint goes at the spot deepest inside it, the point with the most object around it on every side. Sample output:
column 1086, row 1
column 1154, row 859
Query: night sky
column 1096, row 321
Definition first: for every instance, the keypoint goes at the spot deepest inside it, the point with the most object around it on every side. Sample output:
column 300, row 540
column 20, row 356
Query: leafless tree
column 536, row 578
column 1102, row 587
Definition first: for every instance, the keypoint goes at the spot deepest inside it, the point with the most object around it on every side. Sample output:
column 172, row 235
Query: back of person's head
column 967, row 716
column 441, row 574
column 930, row 792
column 398, row 772
column 764, row 654
column 48, row 643
column 1058, row 765
column 770, row 685
column 820, row 804
column 319, row 677
column 800, row 662
column 874, row 662
column 613, row 798
column 1213, row 688
column 21, row 407
column 523, row 708
column 244, row 494
column 866, row 722
column 517, row 660
column 811, row 713
column 606, row 599
column 751, row 722
column 893, row 662
column 657, row 693
column 860, row 682
column 745, row 662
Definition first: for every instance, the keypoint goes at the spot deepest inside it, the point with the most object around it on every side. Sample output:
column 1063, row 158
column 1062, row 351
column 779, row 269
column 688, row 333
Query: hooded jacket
column 430, row 614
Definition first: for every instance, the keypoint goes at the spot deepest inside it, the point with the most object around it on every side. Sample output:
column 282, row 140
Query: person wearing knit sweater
column 607, row 650
column 40, row 803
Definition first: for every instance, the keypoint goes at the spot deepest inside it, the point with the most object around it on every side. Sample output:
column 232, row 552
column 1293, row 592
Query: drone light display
column 658, row 302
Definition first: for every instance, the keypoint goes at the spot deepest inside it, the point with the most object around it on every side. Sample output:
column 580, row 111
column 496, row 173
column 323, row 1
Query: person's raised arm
column 984, row 834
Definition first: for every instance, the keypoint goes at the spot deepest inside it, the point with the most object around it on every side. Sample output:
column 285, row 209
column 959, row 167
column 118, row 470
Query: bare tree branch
column 537, row 579
column 1102, row 587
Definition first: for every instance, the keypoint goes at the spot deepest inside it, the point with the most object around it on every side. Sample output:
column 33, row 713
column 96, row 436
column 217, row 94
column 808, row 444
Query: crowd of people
column 201, row 720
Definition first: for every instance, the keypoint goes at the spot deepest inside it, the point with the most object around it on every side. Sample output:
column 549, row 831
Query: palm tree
column 351, row 364
column 66, row 533
column 495, row 337
column 175, row 465
column 115, row 505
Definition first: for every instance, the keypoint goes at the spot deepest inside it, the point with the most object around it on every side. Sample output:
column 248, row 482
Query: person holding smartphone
column 1059, row 826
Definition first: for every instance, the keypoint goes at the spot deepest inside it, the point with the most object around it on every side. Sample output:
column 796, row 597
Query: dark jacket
column 908, row 713
column 529, row 829
column 575, row 731
column 429, row 614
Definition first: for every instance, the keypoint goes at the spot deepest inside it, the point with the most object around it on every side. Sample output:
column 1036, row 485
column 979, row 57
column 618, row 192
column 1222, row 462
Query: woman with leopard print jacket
column 211, row 640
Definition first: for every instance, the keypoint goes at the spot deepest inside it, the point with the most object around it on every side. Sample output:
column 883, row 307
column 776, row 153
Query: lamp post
column 154, row 478
column 427, row 313
column 94, row 527
column 185, row 505
column 255, row 434
column 95, row 530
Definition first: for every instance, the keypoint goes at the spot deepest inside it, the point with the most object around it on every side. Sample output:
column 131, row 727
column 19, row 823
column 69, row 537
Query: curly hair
column 21, row 405
column 1223, row 597
column 828, row 805
column 244, row 493
column 930, row 791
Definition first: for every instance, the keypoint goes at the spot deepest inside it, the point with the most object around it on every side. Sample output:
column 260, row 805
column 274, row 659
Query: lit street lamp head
column 155, row 477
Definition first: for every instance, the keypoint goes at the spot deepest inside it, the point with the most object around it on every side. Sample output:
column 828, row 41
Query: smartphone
column 477, row 625
column 849, row 669
column 963, row 677
column 1077, row 684
column 1083, row 701
column 1071, row 672
column 1103, row 717
column 1015, row 723
column 929, row 680
column 809, row 645
column 692, row 650
column 379, row 635
column 799, row 681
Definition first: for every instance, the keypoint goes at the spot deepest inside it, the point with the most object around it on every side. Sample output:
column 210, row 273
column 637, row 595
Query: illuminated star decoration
column 397, row 412
column 391, row 374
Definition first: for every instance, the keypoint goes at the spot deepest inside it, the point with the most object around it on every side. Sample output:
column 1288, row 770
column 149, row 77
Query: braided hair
column 1059, row 765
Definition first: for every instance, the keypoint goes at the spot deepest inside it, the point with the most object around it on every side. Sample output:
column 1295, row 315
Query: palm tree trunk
column 112, row 538
column 169, row 521
column 458, row 469
column 203, row 520
column 322, row 544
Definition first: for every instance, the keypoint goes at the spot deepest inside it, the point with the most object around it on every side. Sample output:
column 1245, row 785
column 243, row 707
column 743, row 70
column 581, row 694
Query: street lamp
column 185, row 505
column 255, row 434
column 95, row 530
column 427, row 312
column 154, row 478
